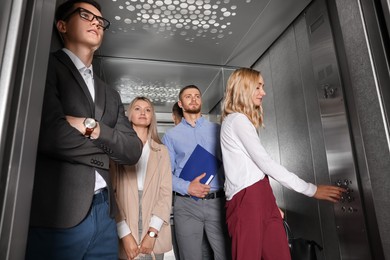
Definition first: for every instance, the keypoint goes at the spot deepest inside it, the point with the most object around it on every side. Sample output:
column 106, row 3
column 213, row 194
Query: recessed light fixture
column 158, row 93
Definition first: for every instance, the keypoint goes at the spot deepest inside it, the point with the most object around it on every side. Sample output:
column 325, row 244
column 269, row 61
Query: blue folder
column 200, row 161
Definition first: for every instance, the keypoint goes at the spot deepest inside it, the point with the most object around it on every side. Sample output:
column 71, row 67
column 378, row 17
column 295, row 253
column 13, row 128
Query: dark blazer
column 66, row 160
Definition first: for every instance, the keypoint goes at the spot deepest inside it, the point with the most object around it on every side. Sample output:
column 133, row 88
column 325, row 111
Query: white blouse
column 246, row 162
column 142, row 165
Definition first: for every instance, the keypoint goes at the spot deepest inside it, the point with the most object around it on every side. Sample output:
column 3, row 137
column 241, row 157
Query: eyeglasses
column 89, row 16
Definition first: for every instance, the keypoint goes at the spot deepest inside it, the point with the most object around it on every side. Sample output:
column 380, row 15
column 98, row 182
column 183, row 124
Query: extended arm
column 247, row 134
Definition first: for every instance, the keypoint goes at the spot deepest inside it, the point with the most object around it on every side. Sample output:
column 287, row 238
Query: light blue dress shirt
column 181, row 142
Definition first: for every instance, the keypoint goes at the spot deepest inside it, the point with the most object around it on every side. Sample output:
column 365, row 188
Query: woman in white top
column 144, row 191
column 253, row 218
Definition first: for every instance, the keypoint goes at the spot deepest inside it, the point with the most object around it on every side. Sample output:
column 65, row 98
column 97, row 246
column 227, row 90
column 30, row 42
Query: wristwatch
column 152, row 234
column 90, row 125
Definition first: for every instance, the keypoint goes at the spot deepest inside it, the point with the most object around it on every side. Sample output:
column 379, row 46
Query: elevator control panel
column 348, row 197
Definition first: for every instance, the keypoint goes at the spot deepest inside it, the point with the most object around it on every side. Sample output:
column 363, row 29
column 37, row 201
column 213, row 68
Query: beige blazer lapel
column 133, row 184
column 152, row 167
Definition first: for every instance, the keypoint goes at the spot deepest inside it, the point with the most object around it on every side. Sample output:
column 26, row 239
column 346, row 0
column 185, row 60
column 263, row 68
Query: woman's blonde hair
column 241, row 85
column 152, row 129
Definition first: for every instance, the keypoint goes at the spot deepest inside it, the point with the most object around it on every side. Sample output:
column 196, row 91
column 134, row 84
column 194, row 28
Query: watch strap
column 88, row 131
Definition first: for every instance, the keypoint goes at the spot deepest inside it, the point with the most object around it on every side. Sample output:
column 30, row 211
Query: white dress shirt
column 246, row 162
column 87, row 74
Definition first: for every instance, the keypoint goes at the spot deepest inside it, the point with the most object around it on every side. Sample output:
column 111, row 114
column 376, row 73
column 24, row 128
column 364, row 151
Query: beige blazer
column 156, row 198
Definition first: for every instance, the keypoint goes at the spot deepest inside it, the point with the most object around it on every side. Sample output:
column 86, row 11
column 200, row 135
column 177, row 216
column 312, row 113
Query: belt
column 100, row 197
column 209, row 196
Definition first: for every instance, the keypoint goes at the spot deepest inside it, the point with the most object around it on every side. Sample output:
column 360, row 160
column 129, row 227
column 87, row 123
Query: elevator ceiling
column 155, row 47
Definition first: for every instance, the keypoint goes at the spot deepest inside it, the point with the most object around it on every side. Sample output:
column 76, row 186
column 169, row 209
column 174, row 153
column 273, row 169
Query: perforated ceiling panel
column 155, row 47
column 188, row 19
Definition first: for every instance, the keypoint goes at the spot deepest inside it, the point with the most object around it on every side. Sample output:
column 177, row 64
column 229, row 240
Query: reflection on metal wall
column 350, row 219
column 293, row 134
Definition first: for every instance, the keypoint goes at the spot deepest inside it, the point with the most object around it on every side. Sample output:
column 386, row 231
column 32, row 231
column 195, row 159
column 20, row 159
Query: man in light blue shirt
column 193, row 218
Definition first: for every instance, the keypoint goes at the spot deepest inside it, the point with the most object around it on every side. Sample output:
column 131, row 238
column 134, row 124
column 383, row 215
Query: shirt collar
column 77, row 62
column 198, row 122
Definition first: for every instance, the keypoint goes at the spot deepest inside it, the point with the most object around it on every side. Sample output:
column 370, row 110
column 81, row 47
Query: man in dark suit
column 83, row 126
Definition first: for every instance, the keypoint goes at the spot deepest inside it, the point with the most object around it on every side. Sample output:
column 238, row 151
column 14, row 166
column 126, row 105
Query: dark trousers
column 255, row 225
column 94, row 238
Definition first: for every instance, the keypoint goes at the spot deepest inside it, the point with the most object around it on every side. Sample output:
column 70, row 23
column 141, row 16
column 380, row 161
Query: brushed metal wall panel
column 215, row 111
column 294, row 142
column 290, row 105
column 286, row 118
column 293, row 134
column 328, row 225
column 213, row 92
column 269, row 134
column 271, row 22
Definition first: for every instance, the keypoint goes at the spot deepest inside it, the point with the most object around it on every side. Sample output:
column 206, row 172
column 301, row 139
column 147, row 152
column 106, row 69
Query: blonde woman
column 253, row 218
column 144, row 191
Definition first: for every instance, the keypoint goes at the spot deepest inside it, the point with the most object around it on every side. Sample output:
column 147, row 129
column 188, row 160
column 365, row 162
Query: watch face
column 90, row 123
column 152, row 234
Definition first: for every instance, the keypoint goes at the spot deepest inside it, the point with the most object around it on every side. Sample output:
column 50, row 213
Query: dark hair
column 67, row 7
column 187, row 87
column 176, row 110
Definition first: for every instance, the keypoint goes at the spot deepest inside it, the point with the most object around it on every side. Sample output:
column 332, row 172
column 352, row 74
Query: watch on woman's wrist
column 152, row 234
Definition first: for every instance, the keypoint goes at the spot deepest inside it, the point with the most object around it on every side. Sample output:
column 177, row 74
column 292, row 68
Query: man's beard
column 191, row 110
